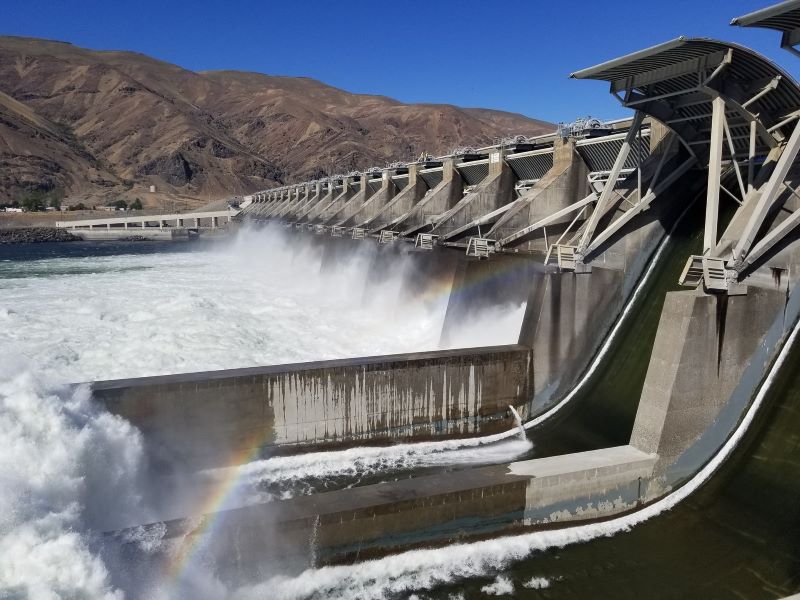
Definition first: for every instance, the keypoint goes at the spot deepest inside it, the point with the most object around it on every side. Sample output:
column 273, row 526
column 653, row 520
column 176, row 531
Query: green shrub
column 38, row 200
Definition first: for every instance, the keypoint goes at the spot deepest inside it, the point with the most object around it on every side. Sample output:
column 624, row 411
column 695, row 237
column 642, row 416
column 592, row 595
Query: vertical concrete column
column 126, row 223
column 108, row 225
column 563, row 151
column 449, row 169
column 413, row 172
column 196, row 223
column 496, row 162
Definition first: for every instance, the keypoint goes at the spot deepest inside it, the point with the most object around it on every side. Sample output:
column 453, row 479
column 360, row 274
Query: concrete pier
column 312, row 209
column 566, row 182
column 404, row 201
column 369, row 187
column 374, row 204
column 348, row 191
column 710, row 354
column 438, row 201
column 496, row 191
column 311, row 195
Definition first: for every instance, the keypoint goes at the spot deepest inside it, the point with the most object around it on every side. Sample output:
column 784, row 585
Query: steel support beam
column 548, row 219
column 772, row 238
column 714, row 173
column 602, row 202
column 642, row 205
column 770, row 193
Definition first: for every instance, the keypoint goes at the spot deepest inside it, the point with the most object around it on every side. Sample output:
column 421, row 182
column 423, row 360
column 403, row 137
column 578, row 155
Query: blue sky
column 514, row 55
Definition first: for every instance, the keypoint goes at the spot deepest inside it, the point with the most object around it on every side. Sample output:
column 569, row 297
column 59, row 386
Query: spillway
column 734, row 537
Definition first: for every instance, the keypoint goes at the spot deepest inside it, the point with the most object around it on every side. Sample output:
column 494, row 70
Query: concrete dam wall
column 205, row 419
column 446, row 393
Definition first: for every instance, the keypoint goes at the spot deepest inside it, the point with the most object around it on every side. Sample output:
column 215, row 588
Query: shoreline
column 33, row 234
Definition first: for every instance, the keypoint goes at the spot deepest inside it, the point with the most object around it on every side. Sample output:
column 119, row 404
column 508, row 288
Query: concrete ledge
column 405, row 512
column 132, row 233
column 205, row 418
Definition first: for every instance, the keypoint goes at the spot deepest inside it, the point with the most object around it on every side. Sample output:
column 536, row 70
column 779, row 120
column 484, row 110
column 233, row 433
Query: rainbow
column 468, row 279
column 211, row 507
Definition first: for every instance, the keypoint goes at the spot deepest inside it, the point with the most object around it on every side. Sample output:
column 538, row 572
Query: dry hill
column 102, row 125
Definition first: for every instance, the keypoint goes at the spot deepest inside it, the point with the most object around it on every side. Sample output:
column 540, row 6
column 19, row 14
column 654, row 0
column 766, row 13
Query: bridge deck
column 143, row 219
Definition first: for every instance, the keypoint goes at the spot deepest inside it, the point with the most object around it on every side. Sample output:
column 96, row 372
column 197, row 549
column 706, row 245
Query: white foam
column 501, row 586
column 63, row 465
column 537, row 583
column 262, row 299
column 360, row 462
column 259, row 301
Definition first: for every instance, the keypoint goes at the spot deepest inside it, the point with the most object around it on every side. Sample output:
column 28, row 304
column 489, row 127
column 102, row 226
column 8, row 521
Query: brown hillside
column 107, row 124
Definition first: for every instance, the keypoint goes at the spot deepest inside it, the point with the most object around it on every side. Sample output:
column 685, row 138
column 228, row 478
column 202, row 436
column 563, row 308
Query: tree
column 119, row 204
column 136, row 204
column 37, row 200
column 33, row 203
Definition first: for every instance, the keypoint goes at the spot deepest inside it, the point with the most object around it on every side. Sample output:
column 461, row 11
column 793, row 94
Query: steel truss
column 736, row 113
column 613, row 191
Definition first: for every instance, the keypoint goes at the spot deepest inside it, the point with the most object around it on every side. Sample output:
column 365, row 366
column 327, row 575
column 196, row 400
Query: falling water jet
column 518, row 421
column 314, row 542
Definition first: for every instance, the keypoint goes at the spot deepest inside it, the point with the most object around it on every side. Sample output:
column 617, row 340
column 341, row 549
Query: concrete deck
column 142, row 220
column 430, row 508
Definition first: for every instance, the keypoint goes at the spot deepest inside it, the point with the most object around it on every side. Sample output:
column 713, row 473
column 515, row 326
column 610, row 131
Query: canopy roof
column 676, row 82
column 781, row 17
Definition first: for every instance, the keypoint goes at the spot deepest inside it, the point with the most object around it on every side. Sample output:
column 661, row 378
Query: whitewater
column 257, row 301
column 71, row 471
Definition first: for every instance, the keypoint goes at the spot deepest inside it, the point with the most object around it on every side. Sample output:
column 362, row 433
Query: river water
column 76, row 312
column 85, row 311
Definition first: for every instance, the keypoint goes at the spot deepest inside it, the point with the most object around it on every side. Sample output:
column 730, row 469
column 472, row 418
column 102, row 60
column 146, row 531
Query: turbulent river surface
column 68, row 471
column 101, row 312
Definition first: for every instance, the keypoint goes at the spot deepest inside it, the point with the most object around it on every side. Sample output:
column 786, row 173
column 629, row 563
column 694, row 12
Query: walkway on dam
column 195, row 220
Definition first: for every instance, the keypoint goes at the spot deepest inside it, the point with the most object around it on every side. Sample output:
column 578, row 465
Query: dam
column 642, row 399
